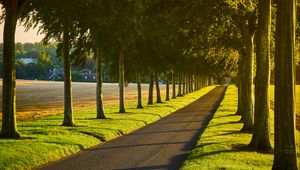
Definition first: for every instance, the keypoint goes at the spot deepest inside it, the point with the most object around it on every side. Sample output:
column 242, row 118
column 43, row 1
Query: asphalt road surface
column 163, row 144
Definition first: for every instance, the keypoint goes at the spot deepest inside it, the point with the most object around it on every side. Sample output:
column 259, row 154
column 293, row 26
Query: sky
column 22, row 36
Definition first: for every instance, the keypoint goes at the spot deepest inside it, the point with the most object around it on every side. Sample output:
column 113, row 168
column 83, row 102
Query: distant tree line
column 44, row 59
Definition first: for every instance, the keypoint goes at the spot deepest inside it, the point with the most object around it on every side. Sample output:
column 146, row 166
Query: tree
column 179, row 94
column 12, row 10
column 173, row 86
column 99, row 97
column 285, row 148
column 68, row 108
column 150, row 93
column 158, row 98
column 139, row 87
column 121, row 80
column 261, row 133
column 167, row 87
column 59, row 21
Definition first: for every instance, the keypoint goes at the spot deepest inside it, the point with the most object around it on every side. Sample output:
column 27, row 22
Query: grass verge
column 44, row 140
column 222, row 146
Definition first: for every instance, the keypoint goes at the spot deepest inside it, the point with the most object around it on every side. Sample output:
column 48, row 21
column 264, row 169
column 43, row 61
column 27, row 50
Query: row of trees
column 131, row 36
column 187, row 40
column 247, row 27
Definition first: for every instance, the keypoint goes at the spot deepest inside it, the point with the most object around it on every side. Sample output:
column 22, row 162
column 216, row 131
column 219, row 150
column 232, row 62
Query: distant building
column 89, row 75
column 55, row 73
column 28, row 60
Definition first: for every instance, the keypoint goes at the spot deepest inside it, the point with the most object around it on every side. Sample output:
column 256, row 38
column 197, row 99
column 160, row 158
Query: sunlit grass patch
column 222, row 146
column 46, row 140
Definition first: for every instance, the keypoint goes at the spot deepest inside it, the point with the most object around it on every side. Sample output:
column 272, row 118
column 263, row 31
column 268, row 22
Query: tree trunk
column 150, row 94
column 99, row 96
column 121, row 80
column 188, row 84
column 239, row 86
column 68, row 109
column 179, row 86
column 139, row 88
column 261, row 132
column 158, row 98
column 9, row 124
column 183, row 84
column 167, row 87
column 248, row 81
column 242, row 84
column 285, row 149
column 196, row 83
column 192, row 83
column 173, row 85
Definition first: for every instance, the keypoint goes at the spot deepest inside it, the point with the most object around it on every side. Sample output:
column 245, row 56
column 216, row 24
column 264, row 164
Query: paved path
column 163, row 144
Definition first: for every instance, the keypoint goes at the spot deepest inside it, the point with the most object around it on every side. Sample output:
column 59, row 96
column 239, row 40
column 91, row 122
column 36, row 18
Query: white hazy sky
column 22, row 36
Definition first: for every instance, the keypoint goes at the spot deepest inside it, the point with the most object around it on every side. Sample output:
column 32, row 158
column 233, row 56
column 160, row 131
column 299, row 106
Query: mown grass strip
column 222, row 146
column 45, row 140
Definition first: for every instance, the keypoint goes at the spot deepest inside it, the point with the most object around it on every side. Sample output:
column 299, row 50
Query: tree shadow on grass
column 135, row 120
column 64, row 143
column 21, row 138
column 230, row 115
column 224, row 134
column 220, row 124
column 133, row 113
column 234, row 149
column 206, row 144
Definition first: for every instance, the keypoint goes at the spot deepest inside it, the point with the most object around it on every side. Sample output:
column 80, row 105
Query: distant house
column 55, row 73
column 28, row 60
column 89, row 75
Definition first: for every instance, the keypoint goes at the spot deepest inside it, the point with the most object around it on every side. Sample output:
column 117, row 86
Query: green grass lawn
column 44, row 140
column 222, row 146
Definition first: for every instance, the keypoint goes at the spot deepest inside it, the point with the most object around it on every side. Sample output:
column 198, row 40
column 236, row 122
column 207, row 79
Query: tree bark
column 9, row 124
column 183, row 84
column 121, row 80
column 167, row 87
column 285, row 148
column 99, row 96
column 209, row 81
column 248, row 36
column 261, row 132
column 150, row 94
column 190, row 84
column 68, row 109
column 187, row 84
column 139, row 88
column 158, row 97
column 239, row 86
column 196, row 83
column 179, row 86
column 173, row 85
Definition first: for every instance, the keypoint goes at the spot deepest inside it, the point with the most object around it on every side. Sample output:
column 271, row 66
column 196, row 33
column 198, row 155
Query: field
column 43, row 98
